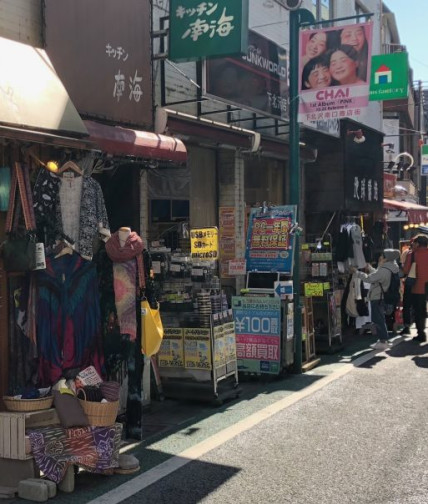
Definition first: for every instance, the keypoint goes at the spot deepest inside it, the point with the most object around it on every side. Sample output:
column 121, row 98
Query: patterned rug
column 96, row 449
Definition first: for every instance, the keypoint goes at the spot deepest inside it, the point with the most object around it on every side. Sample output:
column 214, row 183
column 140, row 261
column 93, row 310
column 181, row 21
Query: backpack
column 391, row 297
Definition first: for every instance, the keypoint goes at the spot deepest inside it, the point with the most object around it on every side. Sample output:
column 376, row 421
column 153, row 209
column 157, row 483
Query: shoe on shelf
column 404, row 331
column 380, row 345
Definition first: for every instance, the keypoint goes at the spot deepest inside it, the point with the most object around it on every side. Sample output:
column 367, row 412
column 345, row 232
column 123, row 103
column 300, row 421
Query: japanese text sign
column 204, row 243
column 258, row 333
column 203, row 29
column 334, row 72
column 389, row 76
column 269, row 243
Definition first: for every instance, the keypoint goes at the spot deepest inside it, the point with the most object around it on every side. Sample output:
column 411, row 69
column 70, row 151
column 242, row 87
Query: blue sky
column 412, row 21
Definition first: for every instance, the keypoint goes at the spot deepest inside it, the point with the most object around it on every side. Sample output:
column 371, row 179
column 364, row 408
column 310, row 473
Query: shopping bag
column 19, row 253
column 151, row 329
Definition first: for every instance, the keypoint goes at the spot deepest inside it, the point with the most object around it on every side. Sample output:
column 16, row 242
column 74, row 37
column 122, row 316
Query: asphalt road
column 362, row 438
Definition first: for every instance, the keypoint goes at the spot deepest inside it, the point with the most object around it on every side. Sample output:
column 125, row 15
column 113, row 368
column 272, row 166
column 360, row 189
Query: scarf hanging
column 128, row 263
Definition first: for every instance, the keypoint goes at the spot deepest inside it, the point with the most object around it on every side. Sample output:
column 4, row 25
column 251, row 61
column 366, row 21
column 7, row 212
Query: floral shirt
column 49, row 209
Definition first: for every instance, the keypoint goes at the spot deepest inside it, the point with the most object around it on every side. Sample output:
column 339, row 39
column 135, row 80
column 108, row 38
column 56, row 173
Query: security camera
column 291, row 4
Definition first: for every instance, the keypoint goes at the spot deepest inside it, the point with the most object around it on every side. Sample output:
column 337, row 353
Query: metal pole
column 295, row 176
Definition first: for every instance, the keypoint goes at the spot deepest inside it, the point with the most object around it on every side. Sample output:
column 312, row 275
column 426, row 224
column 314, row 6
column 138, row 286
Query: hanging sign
column 199, row 30
column 269, row 242
column 424, row 160
column 389, row 76
column 334, row 74
column 204, row 243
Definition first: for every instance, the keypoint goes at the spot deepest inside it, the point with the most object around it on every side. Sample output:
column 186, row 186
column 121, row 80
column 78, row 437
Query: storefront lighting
column 406, row 227
column 52, row 166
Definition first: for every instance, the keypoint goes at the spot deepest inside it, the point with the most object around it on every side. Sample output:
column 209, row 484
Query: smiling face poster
column 334, row 72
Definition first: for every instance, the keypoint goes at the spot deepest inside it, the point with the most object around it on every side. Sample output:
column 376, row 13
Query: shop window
column 166, row 210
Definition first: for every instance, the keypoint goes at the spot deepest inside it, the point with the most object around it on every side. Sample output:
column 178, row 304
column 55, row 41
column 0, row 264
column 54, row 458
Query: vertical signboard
column 227, row 230
column 334, row 74
column 199, row 30
column 204, row 243
column 258, row 334
column 257, row 81
column 424, row 160
column 101, row 51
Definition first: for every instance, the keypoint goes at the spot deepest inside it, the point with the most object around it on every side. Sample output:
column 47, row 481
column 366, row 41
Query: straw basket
column 41, row 403
column 99, row 414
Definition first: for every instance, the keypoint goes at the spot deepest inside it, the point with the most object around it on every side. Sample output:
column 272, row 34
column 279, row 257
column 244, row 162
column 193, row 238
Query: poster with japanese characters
column 197, row 349
column 334, row 72
column 269, row 244
column 204, row 243
column 171, row 352
column 258, row 80
column 258, row 334
column 199, row 30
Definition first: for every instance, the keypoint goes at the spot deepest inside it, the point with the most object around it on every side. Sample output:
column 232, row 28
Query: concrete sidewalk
column 173, row 427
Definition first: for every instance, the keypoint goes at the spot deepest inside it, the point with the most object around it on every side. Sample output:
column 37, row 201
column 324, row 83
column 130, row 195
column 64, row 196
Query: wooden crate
column 12, row 430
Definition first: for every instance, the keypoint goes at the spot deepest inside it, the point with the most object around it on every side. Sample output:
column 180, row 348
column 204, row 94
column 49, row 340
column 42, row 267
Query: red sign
column 389, row 182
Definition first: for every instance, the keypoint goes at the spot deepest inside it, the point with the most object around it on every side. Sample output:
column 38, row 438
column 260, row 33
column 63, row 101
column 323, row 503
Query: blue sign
column 269, row 244
column 282, row 289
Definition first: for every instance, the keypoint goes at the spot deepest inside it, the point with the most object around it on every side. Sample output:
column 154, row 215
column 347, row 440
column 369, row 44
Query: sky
column 412, row 20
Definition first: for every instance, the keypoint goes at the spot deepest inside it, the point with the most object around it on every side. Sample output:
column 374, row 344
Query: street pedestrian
column 419, row 289
column 407, row 291
column 379, row 279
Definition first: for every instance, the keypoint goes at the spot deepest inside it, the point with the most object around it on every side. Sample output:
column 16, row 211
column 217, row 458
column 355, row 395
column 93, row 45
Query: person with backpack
column 384, row 293
column 418, row 297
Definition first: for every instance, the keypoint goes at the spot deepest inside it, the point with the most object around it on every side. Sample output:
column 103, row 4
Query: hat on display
column 391, row 254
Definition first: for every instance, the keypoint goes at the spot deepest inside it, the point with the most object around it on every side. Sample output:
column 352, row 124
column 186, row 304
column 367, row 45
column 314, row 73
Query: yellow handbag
column 151, row 329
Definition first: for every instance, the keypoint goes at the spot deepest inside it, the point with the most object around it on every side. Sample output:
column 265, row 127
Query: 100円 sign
column 204, row 243
column 203, row 29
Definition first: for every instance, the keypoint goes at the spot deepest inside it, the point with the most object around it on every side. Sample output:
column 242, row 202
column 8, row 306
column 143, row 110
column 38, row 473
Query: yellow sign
column 204, row 243
column 197, row 348
column 314, row 289
column 171, row 352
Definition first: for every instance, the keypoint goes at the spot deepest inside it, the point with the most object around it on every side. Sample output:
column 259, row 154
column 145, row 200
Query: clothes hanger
column 70, row 165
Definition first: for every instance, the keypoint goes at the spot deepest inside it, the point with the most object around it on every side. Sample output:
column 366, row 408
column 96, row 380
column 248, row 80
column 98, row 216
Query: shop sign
column 424, row 160
column 197, row 349
column 257, row 80
column 105, row 64
column 171, row 352
column 389, row 76
column 199, row 30
column 314, row 289
column 334, row 72
column 269, row 244
column 219, row 350
column 204, row 243
column 227, row 241
column 237, row 267
column 329, row 127
column 389, row 181
column 283, row 288
column 258, row 334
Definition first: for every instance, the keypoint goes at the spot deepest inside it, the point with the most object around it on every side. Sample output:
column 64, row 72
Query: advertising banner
column 171, row 352
column 334, row 72
column 258, row 334
column 197, row 348
column 199, row 30
column 257, row 81
column 269, row 242
column 389, row 76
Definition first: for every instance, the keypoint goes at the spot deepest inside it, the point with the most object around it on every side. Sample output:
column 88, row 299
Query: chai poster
column 334, row 72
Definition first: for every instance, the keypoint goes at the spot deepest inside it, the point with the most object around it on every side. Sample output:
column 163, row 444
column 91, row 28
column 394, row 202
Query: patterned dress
column 68, row 317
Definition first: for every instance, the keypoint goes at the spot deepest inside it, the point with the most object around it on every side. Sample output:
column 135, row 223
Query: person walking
column 407, row 292
column 419, row 292
column 379, row 280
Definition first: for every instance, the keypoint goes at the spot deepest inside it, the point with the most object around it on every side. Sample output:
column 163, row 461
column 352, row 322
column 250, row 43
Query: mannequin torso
column 124, row 233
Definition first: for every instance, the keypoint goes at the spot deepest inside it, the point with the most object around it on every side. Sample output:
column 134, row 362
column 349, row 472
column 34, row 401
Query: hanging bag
column 151, row 329
column 19, row 249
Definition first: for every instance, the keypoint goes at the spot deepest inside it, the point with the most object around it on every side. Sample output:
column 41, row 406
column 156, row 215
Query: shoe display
column 404, row 331
column 380, row 345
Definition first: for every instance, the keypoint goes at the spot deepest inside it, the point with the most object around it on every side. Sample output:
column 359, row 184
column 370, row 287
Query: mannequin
column 124, row 233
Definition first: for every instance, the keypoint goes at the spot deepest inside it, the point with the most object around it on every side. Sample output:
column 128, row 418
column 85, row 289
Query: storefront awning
column 119, row 141
column 32, row 96
column 416, row 214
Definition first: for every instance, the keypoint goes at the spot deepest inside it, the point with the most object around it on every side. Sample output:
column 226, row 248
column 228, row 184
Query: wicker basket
column 99, row 414
column 13, row 404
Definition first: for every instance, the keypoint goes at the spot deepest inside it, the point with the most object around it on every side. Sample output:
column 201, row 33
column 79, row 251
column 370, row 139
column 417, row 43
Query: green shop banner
column 389, row 77
column 424, row 160
column 199, row 30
